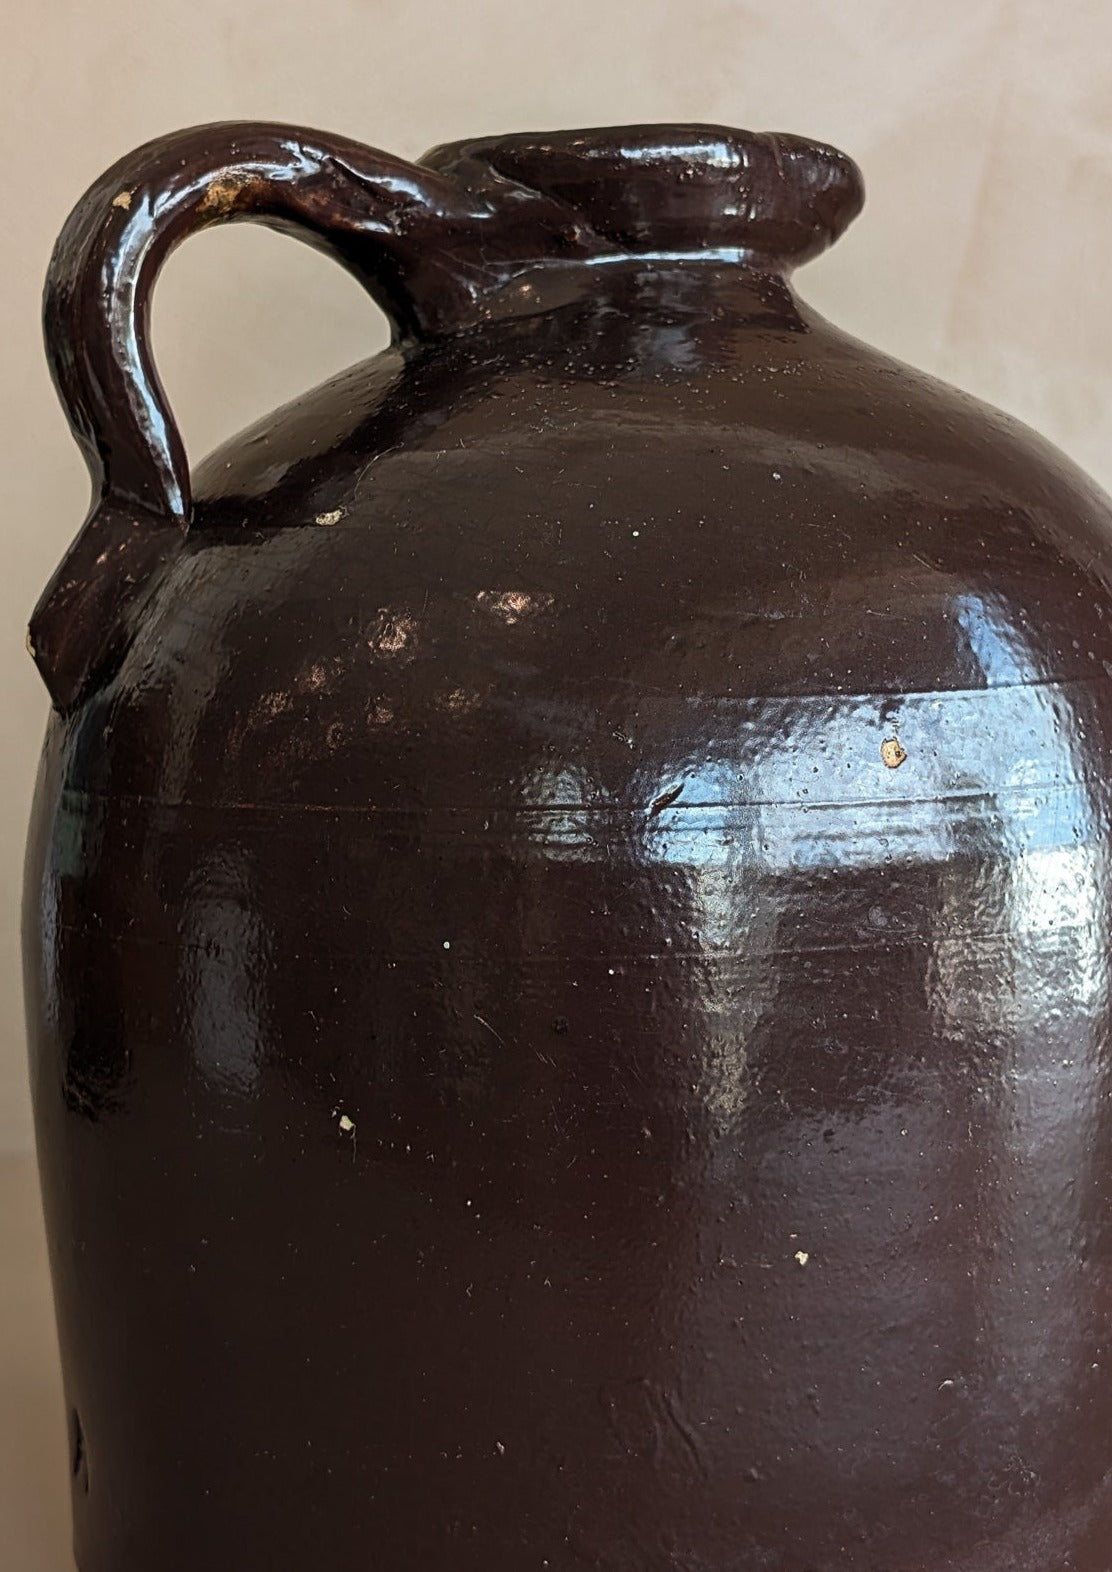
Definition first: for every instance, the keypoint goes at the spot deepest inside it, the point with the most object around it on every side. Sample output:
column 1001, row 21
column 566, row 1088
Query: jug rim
column 674, row 187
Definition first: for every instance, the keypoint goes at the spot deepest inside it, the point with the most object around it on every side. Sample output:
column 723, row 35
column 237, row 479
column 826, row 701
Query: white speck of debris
column 447, row 944
column 776, row 475
column 636, row 533
column 500, row 1449
column 802, row 1257
column 610, row 971
column 346, row 1125
column 944, row 1385
column 330, row 518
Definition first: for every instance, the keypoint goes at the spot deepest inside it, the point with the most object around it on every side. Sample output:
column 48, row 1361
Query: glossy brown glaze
column 568, row 912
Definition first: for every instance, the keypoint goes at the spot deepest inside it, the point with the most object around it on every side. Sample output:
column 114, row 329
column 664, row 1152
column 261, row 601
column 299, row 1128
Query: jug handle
column 406, row 232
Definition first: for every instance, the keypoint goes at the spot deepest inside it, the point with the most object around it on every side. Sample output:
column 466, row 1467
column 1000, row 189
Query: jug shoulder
column 436, row 554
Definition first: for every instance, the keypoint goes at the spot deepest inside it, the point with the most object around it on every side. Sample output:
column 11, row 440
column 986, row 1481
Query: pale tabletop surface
column 34, row 1480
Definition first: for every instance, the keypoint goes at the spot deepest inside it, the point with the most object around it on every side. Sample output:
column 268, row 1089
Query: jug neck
column 689, row 291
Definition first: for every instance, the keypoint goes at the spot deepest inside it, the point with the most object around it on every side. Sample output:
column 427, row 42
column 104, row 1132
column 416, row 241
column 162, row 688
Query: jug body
column 567, row 924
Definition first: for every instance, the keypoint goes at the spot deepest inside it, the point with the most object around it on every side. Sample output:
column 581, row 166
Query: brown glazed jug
column 569, row 899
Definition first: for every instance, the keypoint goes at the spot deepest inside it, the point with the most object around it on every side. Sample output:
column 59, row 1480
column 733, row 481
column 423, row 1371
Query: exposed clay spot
column 513, row 605
column 223, row 197
column 313, row 678
column 347, row 1125
column 892, row 752
column 461, row 701
column 802, row 1257
column 123, row 200
column 329, row 518
column 30, row 643
column 393, row 634
column 272, row 704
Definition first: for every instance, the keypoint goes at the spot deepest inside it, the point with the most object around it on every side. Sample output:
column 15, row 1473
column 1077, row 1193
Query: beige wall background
column 984, row 128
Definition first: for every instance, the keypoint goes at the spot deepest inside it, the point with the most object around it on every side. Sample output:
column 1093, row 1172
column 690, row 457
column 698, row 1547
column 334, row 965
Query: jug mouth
column 678, row 189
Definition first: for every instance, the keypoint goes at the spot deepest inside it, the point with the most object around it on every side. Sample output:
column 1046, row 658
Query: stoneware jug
column 568, row 904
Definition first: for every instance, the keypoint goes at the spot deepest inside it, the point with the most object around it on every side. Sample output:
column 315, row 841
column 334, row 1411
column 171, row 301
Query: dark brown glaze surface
column 567, row 954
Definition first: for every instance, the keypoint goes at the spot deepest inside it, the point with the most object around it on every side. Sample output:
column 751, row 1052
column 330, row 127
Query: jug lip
column 681, row 187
